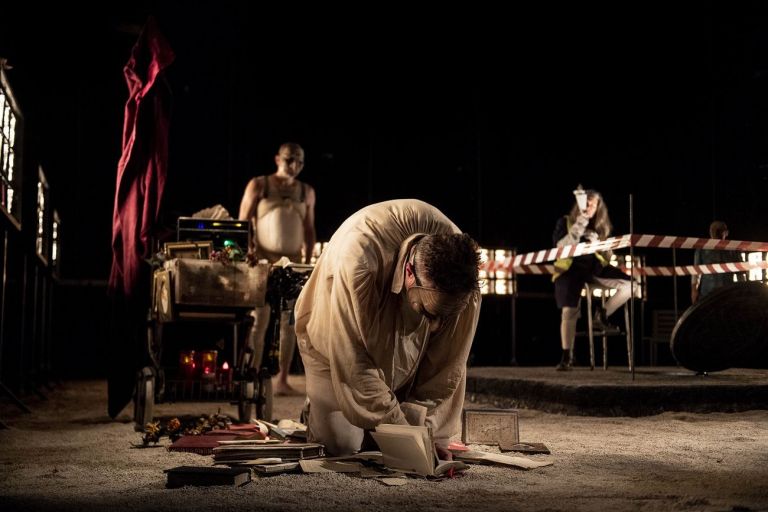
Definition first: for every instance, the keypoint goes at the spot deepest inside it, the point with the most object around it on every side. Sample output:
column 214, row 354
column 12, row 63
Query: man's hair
column 451, row 261
column 290, row 146
column 717, row 228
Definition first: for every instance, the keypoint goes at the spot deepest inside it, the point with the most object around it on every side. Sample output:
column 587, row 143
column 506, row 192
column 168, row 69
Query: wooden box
column 203, row 285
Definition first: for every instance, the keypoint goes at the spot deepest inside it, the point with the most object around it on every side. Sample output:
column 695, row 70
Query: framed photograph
column 490, row 426
column 189, row 250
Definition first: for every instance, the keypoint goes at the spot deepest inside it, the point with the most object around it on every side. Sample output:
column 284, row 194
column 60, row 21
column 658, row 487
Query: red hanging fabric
column 143, row 165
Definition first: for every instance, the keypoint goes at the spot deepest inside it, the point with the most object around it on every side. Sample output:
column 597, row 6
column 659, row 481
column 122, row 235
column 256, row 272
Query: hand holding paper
column 581, row 197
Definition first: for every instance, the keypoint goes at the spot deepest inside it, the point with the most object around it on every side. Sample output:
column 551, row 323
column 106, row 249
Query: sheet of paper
column 404, row 451
column 326, row 466
column 393, row 481
column 498, row 458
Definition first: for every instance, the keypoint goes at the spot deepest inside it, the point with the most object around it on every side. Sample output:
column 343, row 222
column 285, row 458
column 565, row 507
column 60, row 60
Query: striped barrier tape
column 535, row 262
column 621, row 242
column 691, row 270
column 683, row 270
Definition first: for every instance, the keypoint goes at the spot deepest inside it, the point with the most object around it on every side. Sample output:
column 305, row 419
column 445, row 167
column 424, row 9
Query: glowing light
column 755, row 274
column 495, row 276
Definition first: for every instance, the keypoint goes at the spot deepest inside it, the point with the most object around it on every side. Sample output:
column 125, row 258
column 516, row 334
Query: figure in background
column 701, row 285
column 588, row 221
column 385, row 324
column 281, row 210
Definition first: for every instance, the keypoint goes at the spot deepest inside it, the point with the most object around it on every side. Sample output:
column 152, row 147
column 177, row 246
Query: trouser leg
column 256, row 335
column 327, row 424
column 287, row 342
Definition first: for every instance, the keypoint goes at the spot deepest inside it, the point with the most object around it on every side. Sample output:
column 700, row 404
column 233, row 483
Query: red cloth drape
column 143, row 165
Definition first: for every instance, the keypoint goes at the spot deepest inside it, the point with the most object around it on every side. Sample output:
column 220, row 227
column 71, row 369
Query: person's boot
column 600, row 322
column 565, row 363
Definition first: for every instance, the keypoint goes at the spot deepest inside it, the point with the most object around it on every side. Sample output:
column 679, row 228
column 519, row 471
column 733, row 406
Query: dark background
column 492, row 114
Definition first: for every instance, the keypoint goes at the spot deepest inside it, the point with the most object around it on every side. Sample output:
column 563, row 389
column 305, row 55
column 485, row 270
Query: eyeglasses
column 415, row 275
column 429, row 316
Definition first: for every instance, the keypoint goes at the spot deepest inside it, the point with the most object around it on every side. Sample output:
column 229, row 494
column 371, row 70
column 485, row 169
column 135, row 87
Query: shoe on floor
column 566, row 361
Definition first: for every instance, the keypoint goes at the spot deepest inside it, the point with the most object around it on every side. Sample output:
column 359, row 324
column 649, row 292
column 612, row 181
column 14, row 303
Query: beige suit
column 369, row 357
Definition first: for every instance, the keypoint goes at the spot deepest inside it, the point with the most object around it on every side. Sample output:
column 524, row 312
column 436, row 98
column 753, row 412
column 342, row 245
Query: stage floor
column 613, row 392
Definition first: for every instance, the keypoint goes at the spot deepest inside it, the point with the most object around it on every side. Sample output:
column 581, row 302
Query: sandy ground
column 68, row 455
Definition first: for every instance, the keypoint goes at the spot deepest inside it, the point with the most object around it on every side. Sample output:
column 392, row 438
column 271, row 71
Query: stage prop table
column 196, row 290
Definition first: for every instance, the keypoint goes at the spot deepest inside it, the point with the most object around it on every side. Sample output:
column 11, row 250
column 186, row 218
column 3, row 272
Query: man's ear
column 410, row 279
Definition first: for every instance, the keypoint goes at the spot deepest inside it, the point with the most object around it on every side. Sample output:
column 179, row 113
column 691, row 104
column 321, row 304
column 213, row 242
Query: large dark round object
column 726, row 329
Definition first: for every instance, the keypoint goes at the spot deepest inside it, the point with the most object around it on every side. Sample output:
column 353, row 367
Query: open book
column 411, row 449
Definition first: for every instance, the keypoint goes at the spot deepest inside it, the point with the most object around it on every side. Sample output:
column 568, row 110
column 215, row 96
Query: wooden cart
column 203, row 291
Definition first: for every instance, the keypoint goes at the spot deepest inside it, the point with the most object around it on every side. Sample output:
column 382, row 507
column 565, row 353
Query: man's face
column 290, row 162
column 413, row 283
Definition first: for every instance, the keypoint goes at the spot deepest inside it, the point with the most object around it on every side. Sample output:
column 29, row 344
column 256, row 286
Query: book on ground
column 411, row 449
column 205, row 443
column 272, row 469
column 530, row 448
column 288, row 452
column 207, row 475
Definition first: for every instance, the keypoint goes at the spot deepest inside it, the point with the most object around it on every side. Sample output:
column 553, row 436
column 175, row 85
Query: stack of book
column 243, row 452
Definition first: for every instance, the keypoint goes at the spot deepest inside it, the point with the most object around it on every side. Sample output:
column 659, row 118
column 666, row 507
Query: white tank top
column 280, row 218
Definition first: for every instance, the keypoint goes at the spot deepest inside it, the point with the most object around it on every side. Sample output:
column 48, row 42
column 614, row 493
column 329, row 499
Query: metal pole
column 674, row 281
column 632, row 288
column 513, row 322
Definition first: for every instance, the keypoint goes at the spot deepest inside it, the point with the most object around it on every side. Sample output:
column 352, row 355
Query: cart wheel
column 264, row 406
column 144, row 401
column 246, row 409
column 255, row 400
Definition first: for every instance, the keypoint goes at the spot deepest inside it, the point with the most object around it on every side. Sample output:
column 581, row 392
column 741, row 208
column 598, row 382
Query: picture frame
column 490, row 426
column 190, row 250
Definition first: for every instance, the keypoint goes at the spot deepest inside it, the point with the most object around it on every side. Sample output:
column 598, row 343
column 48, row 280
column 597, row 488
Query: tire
column 144, row 400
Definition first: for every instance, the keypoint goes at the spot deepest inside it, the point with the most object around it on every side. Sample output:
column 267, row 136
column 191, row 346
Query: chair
column 663, row 322
column 588, row 289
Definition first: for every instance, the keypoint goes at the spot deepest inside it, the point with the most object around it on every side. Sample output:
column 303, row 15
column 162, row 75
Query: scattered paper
column 393, row 481
column 498, row 458
column 328, row 466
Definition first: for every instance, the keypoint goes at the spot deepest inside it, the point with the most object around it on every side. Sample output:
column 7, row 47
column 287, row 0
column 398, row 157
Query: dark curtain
column 141, row 175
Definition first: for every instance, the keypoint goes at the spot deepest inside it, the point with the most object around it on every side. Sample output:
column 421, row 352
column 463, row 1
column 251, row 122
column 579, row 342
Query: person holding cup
column 587, row 222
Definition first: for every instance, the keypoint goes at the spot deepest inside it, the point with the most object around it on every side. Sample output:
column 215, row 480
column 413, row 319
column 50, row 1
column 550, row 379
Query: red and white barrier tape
column 534, row 262
column 620, row 242
column 684, row 270
column 690, row 270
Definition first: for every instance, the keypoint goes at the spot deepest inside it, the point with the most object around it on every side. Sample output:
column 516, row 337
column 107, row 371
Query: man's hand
column 443, row 453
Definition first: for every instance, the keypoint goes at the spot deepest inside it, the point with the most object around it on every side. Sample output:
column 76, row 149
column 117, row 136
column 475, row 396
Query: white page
column 404, row 451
